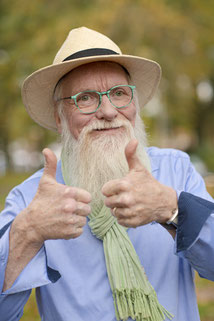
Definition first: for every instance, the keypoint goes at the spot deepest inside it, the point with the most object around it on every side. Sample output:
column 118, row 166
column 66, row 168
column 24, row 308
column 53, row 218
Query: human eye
column 118, row 92
column 85, row 99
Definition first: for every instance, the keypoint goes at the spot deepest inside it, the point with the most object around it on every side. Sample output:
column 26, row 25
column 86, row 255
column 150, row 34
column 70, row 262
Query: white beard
column 93, row 160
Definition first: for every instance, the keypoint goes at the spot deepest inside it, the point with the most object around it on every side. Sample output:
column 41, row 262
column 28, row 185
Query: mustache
column 103, row 124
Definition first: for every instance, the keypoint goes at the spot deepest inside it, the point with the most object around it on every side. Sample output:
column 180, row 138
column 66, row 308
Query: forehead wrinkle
column 100, row 72
column 103, row 68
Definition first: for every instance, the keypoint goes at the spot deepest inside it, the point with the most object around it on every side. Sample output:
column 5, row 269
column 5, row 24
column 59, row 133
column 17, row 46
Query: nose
column 106, row 111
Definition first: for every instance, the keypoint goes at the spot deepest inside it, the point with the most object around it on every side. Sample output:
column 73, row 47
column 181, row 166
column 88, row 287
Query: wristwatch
column 174, row 219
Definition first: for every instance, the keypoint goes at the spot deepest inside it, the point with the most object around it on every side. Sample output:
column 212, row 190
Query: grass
column 205, row 295
column 204, row 288
column 7, row 182
column 207, row 311
column 30, row 310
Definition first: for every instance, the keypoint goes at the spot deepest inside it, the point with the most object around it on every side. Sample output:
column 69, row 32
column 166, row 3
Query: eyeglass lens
column 88, row 101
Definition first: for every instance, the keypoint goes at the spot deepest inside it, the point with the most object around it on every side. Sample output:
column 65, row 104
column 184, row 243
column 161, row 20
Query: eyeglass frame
column 100, row 97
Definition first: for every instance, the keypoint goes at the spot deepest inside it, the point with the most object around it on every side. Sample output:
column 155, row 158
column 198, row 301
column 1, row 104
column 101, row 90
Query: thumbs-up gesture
column 57, row 211
column 138, row 198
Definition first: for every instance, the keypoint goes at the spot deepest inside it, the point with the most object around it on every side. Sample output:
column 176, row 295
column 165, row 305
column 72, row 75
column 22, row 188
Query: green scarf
column 133, row 295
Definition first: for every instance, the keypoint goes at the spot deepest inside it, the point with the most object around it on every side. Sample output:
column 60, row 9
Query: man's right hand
column 57, row 211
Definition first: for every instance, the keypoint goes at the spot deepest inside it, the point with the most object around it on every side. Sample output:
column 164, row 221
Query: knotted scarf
column 133, row 294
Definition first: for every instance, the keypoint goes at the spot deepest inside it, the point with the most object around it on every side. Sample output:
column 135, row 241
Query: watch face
column 174, row 218
column 174, row 224
column 175, row 221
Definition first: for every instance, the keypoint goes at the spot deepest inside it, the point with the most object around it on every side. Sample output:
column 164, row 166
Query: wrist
column 169, row 205
column 173, row 218
column 171, row 223
column 23, row 226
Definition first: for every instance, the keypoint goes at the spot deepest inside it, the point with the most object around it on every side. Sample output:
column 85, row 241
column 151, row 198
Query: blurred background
column 178, row 34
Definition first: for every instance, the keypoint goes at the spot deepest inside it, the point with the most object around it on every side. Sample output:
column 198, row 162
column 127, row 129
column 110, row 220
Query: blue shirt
column 70, row 275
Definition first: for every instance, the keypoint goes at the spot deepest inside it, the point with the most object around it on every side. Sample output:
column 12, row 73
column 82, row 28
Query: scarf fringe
column 133, row 294
column 139, row 306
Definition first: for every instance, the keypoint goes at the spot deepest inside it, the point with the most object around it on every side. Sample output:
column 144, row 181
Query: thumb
column 133, row 161
column 50, row 163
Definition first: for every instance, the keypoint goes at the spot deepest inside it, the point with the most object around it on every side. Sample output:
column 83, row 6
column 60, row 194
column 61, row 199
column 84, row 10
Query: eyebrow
column 88, row 89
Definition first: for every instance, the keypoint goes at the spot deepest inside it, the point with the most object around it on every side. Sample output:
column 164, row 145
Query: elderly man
column 83, row 230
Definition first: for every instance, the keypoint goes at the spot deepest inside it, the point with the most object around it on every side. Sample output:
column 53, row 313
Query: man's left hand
column 138, row 198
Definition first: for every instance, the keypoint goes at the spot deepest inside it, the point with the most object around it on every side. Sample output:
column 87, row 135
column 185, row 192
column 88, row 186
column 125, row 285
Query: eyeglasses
column 89, row 101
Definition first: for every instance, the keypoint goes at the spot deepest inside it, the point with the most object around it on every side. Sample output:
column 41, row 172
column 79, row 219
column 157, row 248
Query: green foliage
column 8, row 181
column 176, row 33
column 206, row 311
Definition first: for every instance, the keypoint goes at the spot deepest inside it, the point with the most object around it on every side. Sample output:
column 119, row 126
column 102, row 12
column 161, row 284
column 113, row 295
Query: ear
column 58, row 121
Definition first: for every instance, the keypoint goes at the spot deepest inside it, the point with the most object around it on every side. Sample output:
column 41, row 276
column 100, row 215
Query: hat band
column 91, row 52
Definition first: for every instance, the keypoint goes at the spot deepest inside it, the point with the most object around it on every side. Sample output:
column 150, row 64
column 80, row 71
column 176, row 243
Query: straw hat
column 83, row 46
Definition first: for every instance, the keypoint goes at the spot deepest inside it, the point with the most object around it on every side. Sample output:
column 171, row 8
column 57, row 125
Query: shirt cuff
column 193, row 213
column 4, row 251
column 36, row 273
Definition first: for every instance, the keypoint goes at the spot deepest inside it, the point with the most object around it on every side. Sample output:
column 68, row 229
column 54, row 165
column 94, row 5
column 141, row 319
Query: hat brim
column 38, row 88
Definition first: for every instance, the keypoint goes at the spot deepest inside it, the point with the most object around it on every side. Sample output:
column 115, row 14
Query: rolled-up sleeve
column 36, row 273
column 200, row 253
column 195, row 237
column 4, row 251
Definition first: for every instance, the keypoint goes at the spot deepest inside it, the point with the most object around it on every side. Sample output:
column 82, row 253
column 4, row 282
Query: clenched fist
column 138, row 198
column 57, row 211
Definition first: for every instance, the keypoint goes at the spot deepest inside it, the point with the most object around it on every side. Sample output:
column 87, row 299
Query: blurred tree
column 178, row 34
